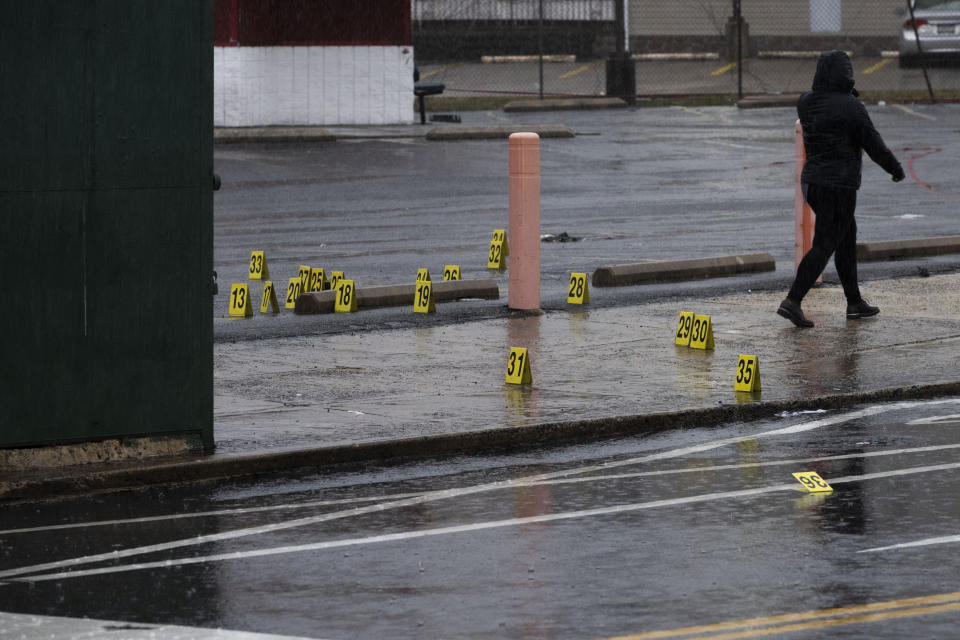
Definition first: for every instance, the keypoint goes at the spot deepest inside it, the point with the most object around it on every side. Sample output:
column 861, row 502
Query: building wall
column 302, row 62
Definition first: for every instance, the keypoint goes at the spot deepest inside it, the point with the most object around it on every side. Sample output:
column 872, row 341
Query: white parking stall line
column 206, row 514
column 478, row 526
column 926, row 542
column 462, row 491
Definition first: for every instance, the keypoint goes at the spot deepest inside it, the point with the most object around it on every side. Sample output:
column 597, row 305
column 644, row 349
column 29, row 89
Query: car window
column 937, row 5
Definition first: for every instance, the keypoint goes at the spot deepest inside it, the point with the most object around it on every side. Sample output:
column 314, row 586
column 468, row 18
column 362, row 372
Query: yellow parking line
column 570, row 74
column 910, row 111
column 434, row 72
column 879, row 65
column 724, row 69
column 827, row 617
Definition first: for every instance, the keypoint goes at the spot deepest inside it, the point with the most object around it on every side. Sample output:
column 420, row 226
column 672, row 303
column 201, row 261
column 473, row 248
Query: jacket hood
column 834, row 73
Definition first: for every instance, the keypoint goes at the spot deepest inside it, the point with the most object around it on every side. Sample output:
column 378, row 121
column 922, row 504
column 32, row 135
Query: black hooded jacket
column 837, row 129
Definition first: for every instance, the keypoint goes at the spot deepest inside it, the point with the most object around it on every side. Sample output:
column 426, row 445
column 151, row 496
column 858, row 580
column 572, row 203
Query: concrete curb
column 498, row 132
column 893, row 249
column 399, row 295
column 565, row 104
column 473, row 442
column 676, row 270
column 761, row 102
column 228, row 135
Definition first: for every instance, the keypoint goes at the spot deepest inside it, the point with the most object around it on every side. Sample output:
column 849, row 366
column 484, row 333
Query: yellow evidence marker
column 304, row 275
column 293, row 292
column 423, row 275
column 501, row 236
column 518, row 366
column 748, row 374
column 579, row 289
column 240, row 301
column 684, row 326
column 495, row 257
column 269, row 301
column 423, row 298
column 813, row 482
column 451, row 272
column 258, row 266
column 701, row 336
column 346, row 300
column 318, row 279
column 335, row 278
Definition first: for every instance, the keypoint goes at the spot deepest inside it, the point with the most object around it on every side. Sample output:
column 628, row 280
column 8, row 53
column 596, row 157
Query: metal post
column 739, row 19
column 923, row 63
column 540, row 47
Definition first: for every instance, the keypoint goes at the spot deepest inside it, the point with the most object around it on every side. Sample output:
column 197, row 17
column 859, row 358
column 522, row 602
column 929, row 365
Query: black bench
column 421, row 89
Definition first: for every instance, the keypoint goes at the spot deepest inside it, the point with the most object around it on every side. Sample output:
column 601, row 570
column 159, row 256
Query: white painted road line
column 455, row 493
column 916, row 543
column 479, row 526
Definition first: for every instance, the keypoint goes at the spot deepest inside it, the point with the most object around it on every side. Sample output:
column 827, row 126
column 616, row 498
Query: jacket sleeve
column 870, row 141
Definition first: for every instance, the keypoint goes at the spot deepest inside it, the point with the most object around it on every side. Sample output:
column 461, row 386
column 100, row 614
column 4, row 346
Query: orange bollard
column 524, row 265
column 804, row 218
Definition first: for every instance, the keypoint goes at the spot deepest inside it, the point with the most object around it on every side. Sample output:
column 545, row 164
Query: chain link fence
column 684, row 48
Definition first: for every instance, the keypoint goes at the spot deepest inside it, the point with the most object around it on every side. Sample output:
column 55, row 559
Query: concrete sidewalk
column 304, row 401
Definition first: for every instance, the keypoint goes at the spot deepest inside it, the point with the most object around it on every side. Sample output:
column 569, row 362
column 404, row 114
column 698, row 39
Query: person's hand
column 899, row 175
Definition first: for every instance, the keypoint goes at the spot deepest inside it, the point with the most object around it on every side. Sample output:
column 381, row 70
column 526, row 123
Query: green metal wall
column 106, row 219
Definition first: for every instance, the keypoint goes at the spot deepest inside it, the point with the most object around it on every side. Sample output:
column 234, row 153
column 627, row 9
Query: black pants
column 835, row 232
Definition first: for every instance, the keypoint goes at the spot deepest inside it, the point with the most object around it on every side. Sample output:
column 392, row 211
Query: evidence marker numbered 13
column 258, row 266
column 451, row 272
column 812, row 482
column 268, row 303
column 240, row 301
column 518, row 366
column 579, row 292
column 748, row 374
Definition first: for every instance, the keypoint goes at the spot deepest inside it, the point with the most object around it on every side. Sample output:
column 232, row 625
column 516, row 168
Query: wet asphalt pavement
column 681, row 528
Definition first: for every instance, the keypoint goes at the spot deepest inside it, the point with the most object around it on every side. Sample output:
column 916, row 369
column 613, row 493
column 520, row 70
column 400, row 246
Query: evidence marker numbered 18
column 346, row 299
column 240, row 301
column 519, row 370
column 423, row 297
column 258, row 266
column 812, row 481
column 684, row 328
column 579, row 292
column 701, row 335
column 748, row 374
column 451, row 272
column 293, row 292
column 269, row 301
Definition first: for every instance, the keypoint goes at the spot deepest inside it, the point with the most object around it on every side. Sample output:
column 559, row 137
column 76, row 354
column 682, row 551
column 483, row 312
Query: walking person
column 836, row 132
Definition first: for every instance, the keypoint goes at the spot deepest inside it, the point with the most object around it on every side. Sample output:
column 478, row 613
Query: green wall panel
column 106, row 220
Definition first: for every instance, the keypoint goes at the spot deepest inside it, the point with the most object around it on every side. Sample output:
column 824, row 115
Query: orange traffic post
column 524, row 255
column 804, row 218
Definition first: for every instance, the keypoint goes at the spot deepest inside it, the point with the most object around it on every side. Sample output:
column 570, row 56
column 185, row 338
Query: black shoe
column 792, row 312
column 862, row 309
